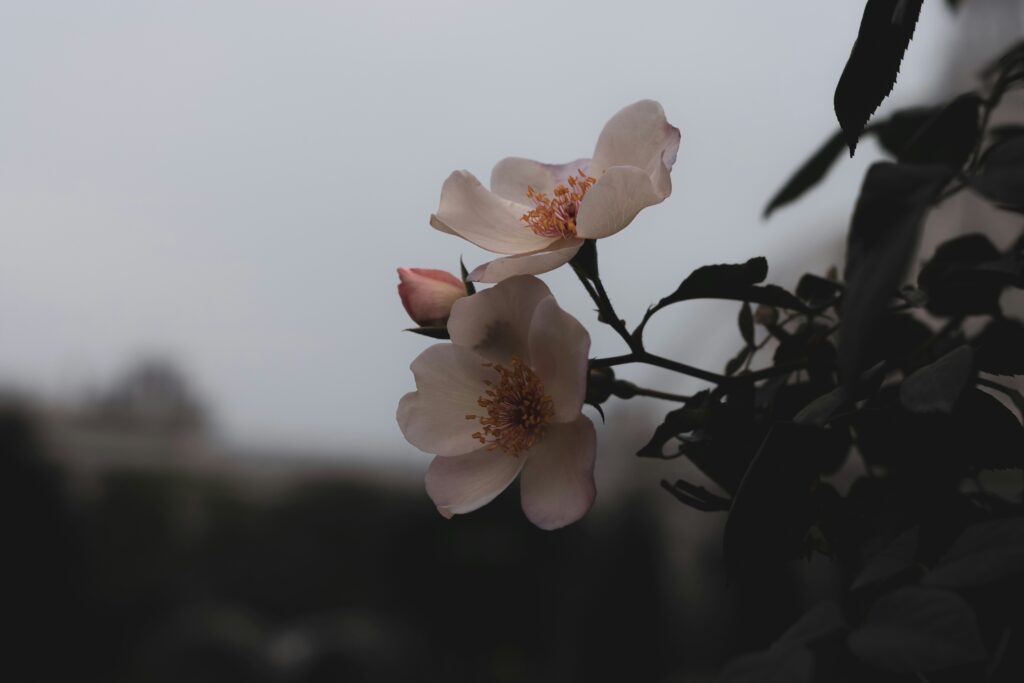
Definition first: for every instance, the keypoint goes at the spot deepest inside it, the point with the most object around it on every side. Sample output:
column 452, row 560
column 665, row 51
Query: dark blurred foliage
column 902, row 394
column 165, row 574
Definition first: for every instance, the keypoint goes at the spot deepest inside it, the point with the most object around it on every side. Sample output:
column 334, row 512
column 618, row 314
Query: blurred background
column 202, row 207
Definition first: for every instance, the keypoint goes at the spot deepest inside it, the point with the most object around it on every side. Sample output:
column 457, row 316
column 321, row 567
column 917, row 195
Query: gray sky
column 233, row 183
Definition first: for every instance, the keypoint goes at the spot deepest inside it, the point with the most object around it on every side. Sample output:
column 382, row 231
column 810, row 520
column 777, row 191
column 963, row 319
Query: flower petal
column 557, row 487
column 464, row 483
column 495, row 323
column 613, row 203
column 559, row 348
column 449, row 380
column 640, row 136
column 476, row 214
column 513, row 176
column 526, row 264
column 436, row 224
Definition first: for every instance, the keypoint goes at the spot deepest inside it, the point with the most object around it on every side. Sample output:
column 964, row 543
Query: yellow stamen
column 556, row 216
column 518, row 410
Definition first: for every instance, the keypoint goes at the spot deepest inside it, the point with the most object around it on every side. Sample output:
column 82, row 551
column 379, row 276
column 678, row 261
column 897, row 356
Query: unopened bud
column 599, row 385
column 428, row 294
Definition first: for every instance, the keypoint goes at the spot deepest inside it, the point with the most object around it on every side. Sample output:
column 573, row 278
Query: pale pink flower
column 504, row 397
column 428, row 294
column 539, row 214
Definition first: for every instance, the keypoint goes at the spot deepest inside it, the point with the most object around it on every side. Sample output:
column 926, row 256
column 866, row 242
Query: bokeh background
column 202, row 207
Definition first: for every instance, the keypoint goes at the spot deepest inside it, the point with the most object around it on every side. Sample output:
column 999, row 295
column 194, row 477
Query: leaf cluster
column 875, row 373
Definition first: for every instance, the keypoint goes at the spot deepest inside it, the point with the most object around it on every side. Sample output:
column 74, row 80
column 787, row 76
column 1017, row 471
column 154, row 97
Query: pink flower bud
column 428, row 294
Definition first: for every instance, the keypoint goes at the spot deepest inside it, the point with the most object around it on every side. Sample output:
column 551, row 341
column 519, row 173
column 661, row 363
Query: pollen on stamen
column 555, row 216
column 518, row 409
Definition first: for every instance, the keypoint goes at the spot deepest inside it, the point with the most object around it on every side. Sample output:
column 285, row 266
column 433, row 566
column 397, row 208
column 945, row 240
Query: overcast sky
column 232, row 184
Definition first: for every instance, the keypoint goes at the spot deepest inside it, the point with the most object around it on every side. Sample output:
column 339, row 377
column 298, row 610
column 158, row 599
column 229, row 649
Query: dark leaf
column 1004, row 132
column 772, row 509
column 737, row 361
column 989, row 434
column 737, row 282
column 901, row 127
column 1011, row 59
column 980, row 433
column 691, row 416
column 1001, row 179
column 948, row 137
column 983, row 553
column 818, row 411
column 894, row 559
column 966, row 275
column 726, row 443
column 883, row 234
column 820, row 621
column 870, row 74
column 746, row 323
column 810, row 344
column 1001, row 348
column 936, row 387
column 917, row 629
column 785, row 665
column 433, row 332
column 695, row 496
column 817, row 291
column 788, row 659
column 808, row 175
column 898, row 339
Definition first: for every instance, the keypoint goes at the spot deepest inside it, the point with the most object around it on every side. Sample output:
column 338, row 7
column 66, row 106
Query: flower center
column 555, row 216
column 518, row 410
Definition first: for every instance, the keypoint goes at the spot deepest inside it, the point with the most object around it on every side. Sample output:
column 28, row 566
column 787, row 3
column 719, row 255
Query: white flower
column 539, row 214
column 504, row 397
column 428, row 294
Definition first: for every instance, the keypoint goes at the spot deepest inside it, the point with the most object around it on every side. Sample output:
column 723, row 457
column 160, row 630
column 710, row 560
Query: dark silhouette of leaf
column 808, row 175
column 695, row 496
column 983, row 553
column 883, row 234
column 920, row 135
column 818, row 291
column 901, row 127
column 948, row 137
column 818, row 411
column 966, row 275
column 999, row 134
column 1001, row 179
column 737, row 282
column 693, row 414
column 980, row 433
column 870, row 73
column 432, row 332
column 1001, row 348
column 788, row 659
column 772, row 509
column 783, row 665
column 894, row 559
column 936, row 387
column 917, row 629
column 737, row 361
